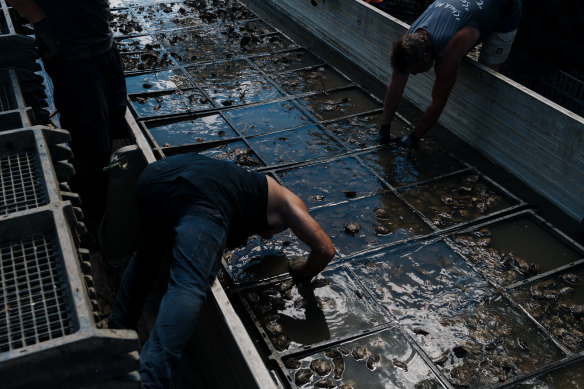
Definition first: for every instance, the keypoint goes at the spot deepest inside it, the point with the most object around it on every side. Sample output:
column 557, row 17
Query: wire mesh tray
column 292, row 317
column 17, row 118
column 26, row 169
column 46, row 319
column 383, row 359
column 453, row 200
column 459, row 321
column 514, row 248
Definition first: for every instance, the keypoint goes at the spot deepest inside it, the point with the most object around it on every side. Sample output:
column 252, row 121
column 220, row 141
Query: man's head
column 412, row 53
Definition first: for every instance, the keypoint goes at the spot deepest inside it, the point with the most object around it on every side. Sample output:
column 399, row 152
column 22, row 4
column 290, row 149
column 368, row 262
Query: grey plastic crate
column 16, row 47
column 22, row 89
column 46, row 319
column 17, row 118
column 28, row 175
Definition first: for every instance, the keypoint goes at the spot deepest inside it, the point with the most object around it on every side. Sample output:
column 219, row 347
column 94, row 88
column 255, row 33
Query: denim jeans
column 197, row 241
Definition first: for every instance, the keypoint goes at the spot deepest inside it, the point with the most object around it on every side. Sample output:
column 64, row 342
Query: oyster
column 400, row 364
column 372, row 361
column 303, row 376
column 325, row 383
column 292, row 363
column 281, row 342
column 321, row 367
column 352, row 228
column 359, row 352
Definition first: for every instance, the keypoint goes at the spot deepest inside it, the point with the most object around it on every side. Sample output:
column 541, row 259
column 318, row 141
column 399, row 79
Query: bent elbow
column 328, row 252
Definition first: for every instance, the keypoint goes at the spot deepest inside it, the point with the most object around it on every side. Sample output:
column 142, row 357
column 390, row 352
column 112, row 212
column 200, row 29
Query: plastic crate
column 15, row 45
column 46, row 319
column 22, row 89
column 17, row 118
column 27, row 172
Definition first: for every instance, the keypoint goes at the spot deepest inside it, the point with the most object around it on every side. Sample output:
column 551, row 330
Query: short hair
column 407, row 51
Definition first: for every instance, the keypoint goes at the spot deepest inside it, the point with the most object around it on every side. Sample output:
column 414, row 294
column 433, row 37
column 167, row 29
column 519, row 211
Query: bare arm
column 287, row 209
column 446, row 68
column 28, row 9
column 393, row 94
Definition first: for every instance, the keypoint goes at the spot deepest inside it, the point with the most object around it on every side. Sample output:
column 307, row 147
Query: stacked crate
column 49, row 316
column 50, row 333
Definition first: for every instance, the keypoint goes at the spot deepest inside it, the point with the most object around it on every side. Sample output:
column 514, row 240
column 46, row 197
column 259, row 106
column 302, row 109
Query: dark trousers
column 90, row 94
column 197, row 239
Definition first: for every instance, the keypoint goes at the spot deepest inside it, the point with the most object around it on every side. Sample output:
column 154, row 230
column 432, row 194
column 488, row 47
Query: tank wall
column 532, row 137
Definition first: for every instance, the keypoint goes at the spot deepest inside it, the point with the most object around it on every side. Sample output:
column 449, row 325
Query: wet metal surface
column 441, row 278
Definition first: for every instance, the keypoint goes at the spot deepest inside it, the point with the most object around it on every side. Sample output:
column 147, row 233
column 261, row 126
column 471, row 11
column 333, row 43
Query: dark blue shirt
column 233, row 195
column 444, row 18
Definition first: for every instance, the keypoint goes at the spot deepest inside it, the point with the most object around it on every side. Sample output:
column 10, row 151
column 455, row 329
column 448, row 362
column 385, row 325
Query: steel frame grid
column 27, row 176
column 50, row 323
column 34, row 308
column 456, row 227
column 278, row 357
column 538, row 220
column 17, row 118
column 283, row 371
column 10, row 99
column 6, row 26
column 505, row 293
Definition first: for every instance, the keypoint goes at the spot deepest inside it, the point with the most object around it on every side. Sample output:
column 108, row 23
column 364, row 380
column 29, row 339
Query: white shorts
column 496, row 47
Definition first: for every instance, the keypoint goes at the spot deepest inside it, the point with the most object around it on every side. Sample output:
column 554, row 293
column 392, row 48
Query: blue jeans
column 197, row 242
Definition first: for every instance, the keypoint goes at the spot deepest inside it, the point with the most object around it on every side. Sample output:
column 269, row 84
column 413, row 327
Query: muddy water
column 382, row 219
column 341, row 103
column 470, row 331
column 461, row 324
column 137, row 43
column 558, row 303
column 267, row 118
column 233, row 83
column 320, row 78
column 337, row 181
column 166, row 103
column 287, row 61
column 298, row 145
column 334, row 305
column 168, row 79
column 237, row 152
column 571, row 376
column 357, row 132
column 192, row 131
column 404, row 167
column 512, row 250
column 453, row 200
column 397, row 366
column 260, row 259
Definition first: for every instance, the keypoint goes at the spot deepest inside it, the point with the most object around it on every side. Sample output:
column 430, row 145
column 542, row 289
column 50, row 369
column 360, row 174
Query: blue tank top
column 444, row 18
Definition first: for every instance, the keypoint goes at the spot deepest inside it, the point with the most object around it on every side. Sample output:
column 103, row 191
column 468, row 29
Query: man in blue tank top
column 197, row 206
column 442, row 36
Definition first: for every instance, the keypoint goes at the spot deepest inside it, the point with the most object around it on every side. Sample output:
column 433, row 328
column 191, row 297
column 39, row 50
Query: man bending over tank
column 442, row 36
column 198, row 206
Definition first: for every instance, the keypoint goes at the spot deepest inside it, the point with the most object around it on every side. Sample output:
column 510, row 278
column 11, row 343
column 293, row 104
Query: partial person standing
column 197, row 206
column 442, row 36
column 81, row 58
